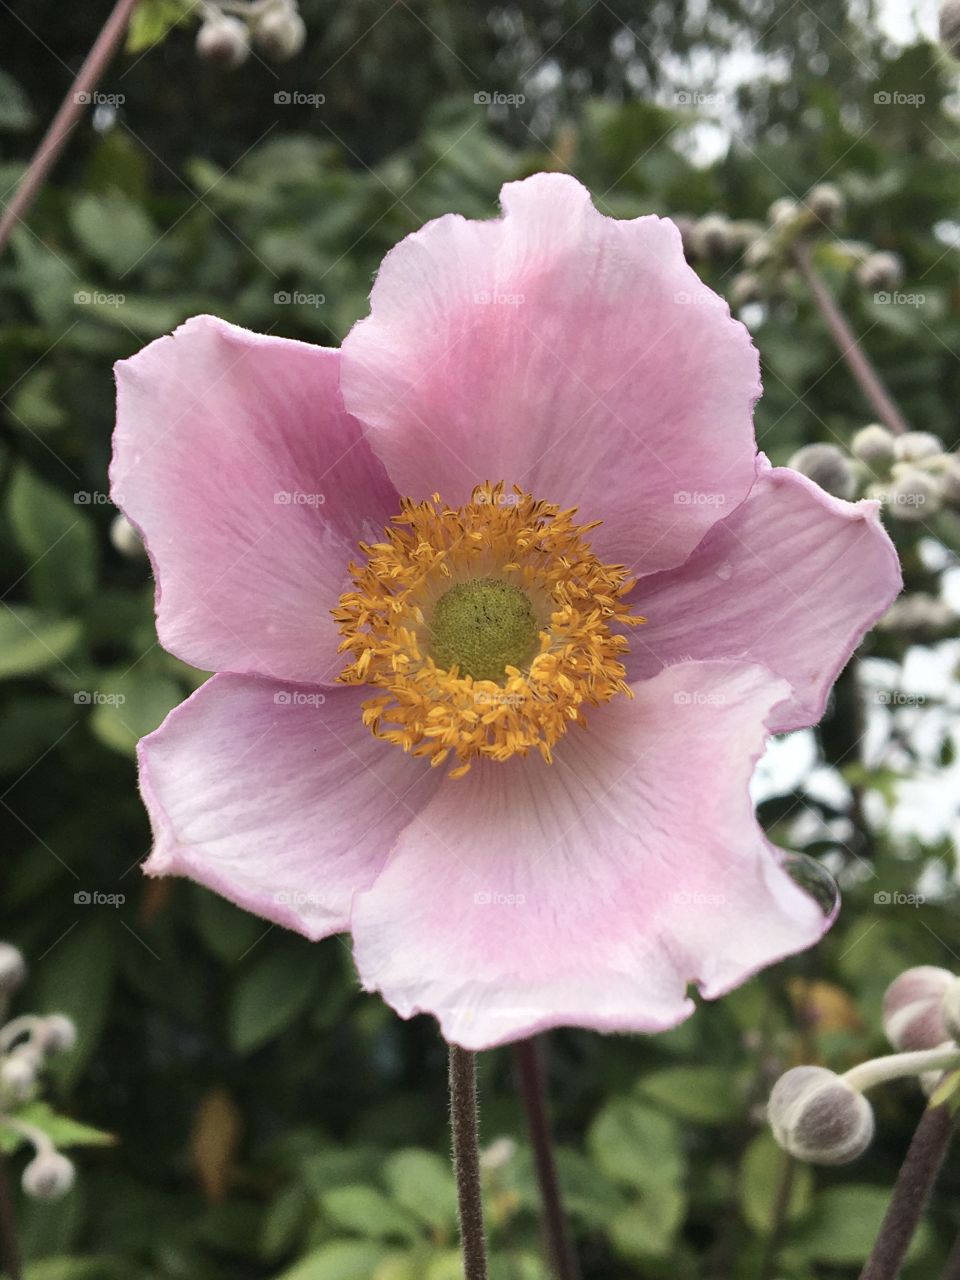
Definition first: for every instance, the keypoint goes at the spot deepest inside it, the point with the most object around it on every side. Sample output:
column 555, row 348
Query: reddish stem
column 848, row 344
column 529, row 1062
column 78, row 95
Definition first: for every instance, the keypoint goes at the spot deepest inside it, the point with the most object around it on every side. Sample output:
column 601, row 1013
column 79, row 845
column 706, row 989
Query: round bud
column 950, row 1009
column 13, row 968
column 499, row 1153
column 125, row 538
column 758, row 252
column 817, row 1117
column 918, row 613
column 874, row 445
column 56, row 1034
column 827, row 466
column 18, row 1074
column 280, row 31
column 880, row 271
column 950, row 27
column 783, row 211
column 711, row 236
column 48, row 1176
column 913, row 446
column 950, row 480
column 913, row 496
column 912, row 1017
column 224, row 40
column 746, row 287
column 826, row 203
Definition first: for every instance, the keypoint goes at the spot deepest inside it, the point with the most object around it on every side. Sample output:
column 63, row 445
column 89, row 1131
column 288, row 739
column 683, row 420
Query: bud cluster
column 821, row 1117
column 230, row 29
column 26, row 1043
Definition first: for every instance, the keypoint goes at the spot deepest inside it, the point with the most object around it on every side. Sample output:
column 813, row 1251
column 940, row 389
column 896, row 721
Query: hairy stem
column 78, row 95
column 779, row 1218
column 466, row 1161
column 9, row 1250
column 529, row 1060
column 849, row 345
column 915, row 1182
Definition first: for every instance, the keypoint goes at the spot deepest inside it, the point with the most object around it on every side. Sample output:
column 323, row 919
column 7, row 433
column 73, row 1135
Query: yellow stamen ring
column 502, row 582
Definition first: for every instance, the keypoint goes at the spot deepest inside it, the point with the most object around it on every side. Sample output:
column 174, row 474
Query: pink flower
column 585, row 847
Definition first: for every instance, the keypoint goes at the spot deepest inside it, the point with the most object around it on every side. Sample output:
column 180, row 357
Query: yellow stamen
column 534, row 547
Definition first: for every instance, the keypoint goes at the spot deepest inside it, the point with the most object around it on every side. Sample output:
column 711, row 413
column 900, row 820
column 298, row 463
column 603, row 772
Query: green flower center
column 483, row 627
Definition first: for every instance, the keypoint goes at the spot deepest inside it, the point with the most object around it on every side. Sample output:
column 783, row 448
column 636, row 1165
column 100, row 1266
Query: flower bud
column 711, row 236
column 48, row 1176
column 874, row 445
column 280, row 31
column 913, row 446
column 950, row 480
column 950, row 1010
column 758, row 252
column 224, row 40
column 13, row 968
column 880, row 271
column 56, row 1034
column 828, row 467
column 18, row 1074
column 950, row 27
column 499, row 1153
column 125, row 538
column 918, row 613
column 783, row 211
column 746, row 287
column 913, row 496
column 912, row 1016
column 826, row 202
column 817, row 1117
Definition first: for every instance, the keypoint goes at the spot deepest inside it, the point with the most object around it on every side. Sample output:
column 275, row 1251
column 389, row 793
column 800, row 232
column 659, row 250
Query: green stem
column 9, row 1249
column 466, row 1161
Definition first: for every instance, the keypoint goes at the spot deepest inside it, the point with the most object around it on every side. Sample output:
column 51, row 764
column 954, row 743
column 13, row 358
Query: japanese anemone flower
column 506, row 743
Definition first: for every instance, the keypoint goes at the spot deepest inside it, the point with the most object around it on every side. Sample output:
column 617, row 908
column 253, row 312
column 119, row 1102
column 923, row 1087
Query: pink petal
column 792, row 579
column 277, row 797
column 214, row 426
column 592, row 891
column 617, row 384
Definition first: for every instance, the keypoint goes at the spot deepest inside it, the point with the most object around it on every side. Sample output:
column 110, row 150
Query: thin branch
column 848, row 344
column 466, row 1161
column 78, row 96
column 915, row 1182
column 563, row 1258
column 9, row 1249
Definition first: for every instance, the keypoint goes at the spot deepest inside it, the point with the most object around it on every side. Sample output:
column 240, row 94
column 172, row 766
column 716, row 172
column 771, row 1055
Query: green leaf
column 128, row 705
column 61, row 1130
column 708, row 1095
column 423, row 1184
column 15, row 111
column 948, row 1090
column 648, row 1226
column 342, row 1260
column 30, row 642
column 57, row 541
column 75, row 977
column 151, row 21
column 369, row 1213
column 759, row 1188
column 81, row 1269
column 268, row 997
column 114, row 231
column 636, row 1145
column 844, row 1222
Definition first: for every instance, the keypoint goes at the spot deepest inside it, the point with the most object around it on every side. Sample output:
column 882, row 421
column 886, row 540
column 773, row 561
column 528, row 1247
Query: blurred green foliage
column 272, row 1120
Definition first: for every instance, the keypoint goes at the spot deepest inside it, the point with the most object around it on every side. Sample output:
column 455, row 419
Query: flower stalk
column 898, row 1065
column 466, row 1161
column 848, row 344
column 912, row 1190
column 529, row 1061
column 78, row 95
